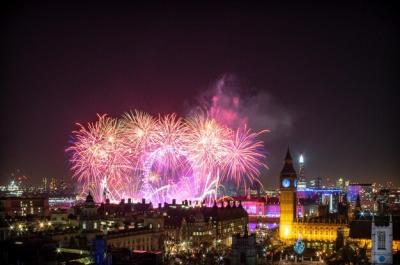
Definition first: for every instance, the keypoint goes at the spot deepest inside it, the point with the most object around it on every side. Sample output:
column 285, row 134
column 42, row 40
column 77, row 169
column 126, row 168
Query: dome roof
column 89, row 199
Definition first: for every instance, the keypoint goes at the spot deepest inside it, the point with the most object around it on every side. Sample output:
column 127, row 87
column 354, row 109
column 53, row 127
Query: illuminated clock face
column 285, row 183
column 381, row 258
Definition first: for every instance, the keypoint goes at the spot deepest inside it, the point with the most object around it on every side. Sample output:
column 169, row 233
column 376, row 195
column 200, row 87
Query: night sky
column 329, row 69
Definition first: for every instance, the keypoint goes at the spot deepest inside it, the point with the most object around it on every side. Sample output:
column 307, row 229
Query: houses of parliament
column 321, row 228
column 379, row 233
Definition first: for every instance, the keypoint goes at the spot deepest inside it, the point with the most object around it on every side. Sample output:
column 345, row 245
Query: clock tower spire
column 288, row 187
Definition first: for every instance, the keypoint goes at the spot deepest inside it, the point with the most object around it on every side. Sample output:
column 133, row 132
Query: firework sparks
column 162, row 158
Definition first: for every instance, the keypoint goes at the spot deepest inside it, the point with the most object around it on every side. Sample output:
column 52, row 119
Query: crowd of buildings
column 233, row 229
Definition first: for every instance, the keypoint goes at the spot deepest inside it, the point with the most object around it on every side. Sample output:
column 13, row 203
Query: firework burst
column 163, row 158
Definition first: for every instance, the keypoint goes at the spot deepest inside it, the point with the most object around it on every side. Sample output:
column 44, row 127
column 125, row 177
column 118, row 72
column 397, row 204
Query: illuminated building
column 365, row 191
column 62, row 201
column 302, row 183
column 273, row 209
column 322, row 228
column 88, row 218
column 288, row 182
column 341, row 183
column 316, row 182
column 184, row 222
column 254, row 206
column 14, row 189
column 187, row 224
column 24, row 206
column 53, row 184
column 44, row 184
column 379, row 234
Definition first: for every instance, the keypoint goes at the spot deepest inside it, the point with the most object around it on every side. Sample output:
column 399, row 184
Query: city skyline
column 326, row 89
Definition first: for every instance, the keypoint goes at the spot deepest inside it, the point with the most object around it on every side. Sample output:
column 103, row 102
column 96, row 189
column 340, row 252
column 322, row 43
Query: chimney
column 107, row 201
column 143, row 201
column 173, row 201
column 159, row 205
column 122, row 201
column 129, row 200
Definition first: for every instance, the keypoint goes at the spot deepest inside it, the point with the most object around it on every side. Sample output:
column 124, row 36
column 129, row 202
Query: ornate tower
column 288, row 187
column 382, row 242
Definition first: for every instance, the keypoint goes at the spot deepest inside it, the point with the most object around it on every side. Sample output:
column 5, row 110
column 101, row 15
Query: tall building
column 302, row 178
column 316, row 182
column 302, row 183
column 288, row 186
column 321, row 228
column 382, row 242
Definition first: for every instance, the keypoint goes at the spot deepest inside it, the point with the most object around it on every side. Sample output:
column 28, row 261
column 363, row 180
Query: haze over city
column 320, row 76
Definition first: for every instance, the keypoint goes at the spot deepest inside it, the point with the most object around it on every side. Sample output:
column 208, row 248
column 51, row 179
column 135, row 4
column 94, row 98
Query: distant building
column 254, row 206
column 315, row 183
column 302, row 183
column 24, row 206
column 365, row 191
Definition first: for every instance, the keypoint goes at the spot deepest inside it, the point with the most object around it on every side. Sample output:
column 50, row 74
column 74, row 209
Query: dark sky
column 333, row 67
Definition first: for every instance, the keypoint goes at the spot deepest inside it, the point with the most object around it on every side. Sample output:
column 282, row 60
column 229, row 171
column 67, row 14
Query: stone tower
column 382, row 241
column 288, row 187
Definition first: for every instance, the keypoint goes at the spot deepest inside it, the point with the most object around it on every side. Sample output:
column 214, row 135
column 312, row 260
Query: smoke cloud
column 231, row 104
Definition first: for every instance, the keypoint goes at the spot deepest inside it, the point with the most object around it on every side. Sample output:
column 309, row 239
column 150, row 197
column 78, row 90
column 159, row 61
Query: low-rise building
column 362, row 232
column 24, row 206
column 136, row 239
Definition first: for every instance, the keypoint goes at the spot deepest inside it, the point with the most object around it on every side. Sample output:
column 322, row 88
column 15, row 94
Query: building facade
column 24, row 206
column 288, row 184
column 382, row 242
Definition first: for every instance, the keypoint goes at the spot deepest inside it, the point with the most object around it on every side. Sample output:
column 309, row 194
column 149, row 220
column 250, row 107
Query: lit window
column 381, row 240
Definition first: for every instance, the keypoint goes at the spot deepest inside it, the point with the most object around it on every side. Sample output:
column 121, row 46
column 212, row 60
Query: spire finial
column 288, row 155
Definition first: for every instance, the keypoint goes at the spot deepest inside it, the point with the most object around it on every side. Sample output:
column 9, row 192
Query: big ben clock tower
column 288, row 187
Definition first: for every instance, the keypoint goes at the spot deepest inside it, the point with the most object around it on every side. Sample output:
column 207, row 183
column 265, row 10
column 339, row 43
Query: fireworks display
column 163, row 158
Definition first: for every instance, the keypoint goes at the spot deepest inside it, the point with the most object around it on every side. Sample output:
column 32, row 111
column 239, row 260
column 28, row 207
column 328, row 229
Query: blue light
column 299, row 247
column 285, row 183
